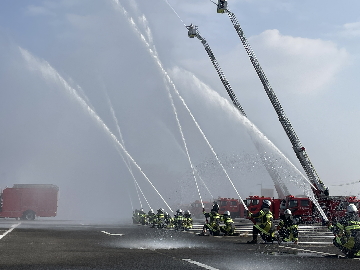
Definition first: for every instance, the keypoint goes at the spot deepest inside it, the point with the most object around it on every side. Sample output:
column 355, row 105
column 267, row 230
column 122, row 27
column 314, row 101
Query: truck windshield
column 293, row 203
column 254, row 202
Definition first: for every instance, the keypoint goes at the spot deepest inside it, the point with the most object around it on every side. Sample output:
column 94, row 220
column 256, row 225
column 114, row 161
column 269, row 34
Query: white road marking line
column 200, row 264
column 112, row 234
column 10, row 230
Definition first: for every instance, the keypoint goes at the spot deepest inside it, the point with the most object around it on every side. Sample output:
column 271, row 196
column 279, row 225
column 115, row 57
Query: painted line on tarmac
column 10, row 230
column 200, row 264
column 317, row 252
column 112, row 234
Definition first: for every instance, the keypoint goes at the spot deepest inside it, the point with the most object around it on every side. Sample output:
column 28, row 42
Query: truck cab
column 254, row 204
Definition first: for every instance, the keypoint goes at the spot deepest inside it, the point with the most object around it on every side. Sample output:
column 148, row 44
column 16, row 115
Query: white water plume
column 49, row 73
column 169, row 81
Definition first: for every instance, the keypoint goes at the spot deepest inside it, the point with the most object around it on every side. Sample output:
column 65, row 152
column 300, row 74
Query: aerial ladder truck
column 279, row 185
column 333, row 206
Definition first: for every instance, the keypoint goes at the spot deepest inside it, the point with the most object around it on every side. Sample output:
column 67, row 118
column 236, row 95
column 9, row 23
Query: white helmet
column 287, row 212
column 187, row 212
column 227, row 213
column 266, row 203
column 351, row 208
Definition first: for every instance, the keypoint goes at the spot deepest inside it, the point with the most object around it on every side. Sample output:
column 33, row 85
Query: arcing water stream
column 49, row 73
column 168, row 80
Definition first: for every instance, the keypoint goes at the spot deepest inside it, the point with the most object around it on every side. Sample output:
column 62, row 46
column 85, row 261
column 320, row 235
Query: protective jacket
column 288, row 229
column 347, row 234
column 263, row 221
column 228, row 227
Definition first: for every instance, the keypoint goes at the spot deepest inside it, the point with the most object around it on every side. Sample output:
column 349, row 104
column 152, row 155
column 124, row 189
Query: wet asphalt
column 76, row 245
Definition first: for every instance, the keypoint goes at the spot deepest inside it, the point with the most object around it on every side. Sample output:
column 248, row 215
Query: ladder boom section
column 296, row 144
column 281, row 189
column 221, row 74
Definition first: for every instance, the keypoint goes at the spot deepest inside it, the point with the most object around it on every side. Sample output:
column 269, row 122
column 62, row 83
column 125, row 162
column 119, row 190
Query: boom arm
column 280, row 187
column 299, row 150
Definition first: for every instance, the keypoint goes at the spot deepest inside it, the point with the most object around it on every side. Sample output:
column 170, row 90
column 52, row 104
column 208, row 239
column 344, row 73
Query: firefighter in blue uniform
column 263, row 224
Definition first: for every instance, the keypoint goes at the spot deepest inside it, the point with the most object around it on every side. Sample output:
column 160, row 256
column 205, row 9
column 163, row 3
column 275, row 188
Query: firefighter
column 214, row 225
column 347, row 232
column 188, row 220
column 263, row 224
column 288, row 228
column 159, row 218
column 179, row 220
column 228, row 228
column 215, row 207
column 168, row 220
column 142, row 217
column 150, row 217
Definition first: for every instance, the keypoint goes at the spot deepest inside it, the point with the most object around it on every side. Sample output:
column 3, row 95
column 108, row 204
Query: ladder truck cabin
column 333, row 206
column 27, row 201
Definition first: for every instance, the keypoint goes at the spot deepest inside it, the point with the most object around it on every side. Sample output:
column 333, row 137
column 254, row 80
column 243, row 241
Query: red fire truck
column 26, row 201
column 232, row 205
column 254, row 204
column 196, row 208
column 334, row 207
column 236, row 209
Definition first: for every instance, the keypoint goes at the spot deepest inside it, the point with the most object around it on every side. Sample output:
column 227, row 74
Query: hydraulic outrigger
column 279, row 185
column 321, row 191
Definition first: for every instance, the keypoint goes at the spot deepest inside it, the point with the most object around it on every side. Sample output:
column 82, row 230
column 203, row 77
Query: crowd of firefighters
column 346, row 229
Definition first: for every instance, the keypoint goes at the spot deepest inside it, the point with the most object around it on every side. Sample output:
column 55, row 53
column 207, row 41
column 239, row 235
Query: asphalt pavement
column 54, row 244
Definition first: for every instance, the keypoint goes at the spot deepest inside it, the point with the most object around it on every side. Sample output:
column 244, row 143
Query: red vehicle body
column 304, row 208
column 26, row 201
column 197, row 208
column 236, row 209
column 254, row 204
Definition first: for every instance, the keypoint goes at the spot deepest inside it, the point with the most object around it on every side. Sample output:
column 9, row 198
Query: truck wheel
column 28, row 215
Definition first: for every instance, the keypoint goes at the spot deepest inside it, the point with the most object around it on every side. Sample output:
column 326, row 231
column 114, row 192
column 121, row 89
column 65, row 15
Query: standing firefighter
column 347, row 232
column 288, row 228
column 228, row 228
column 188, row 220
column 214, row 224
column 263, row 224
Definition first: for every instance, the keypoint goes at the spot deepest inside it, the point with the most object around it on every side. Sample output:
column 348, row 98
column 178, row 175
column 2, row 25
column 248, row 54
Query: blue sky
column 308, row 50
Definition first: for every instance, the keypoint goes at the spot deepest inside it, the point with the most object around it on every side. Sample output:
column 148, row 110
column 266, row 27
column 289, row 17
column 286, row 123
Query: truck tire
column 28, row 215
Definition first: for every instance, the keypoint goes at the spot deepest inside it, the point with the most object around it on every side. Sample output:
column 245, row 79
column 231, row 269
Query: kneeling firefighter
column 263, row 224
column 214, row 224
column 228, row 228
column 288, row 228
column 347, row 232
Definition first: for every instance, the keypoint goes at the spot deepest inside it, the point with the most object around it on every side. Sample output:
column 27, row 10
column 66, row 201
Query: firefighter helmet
column 187, row 212
column 351, row 208
column 179, row 211
column 227, row 213
column 266, row 204
column 287, row 212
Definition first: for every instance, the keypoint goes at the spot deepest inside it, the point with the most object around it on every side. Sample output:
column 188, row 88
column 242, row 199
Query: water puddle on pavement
column 296, row 253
